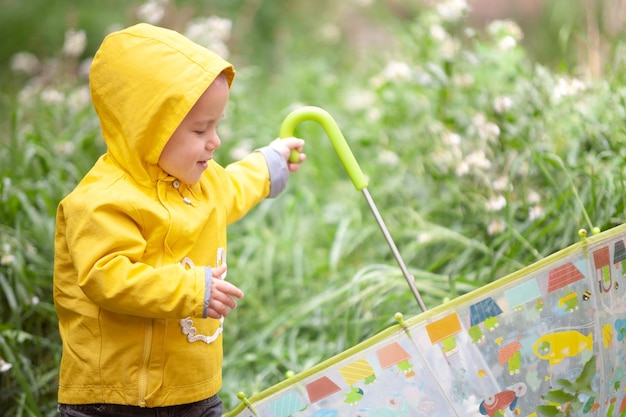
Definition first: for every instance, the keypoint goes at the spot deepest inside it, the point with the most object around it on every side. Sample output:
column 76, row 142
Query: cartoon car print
column 500, row 401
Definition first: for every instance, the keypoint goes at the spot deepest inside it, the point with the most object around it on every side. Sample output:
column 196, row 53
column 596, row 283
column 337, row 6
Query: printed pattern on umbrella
column 549, row 340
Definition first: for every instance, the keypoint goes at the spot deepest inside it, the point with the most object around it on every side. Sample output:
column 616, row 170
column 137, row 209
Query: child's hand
column 223, row 295
column 285, row 146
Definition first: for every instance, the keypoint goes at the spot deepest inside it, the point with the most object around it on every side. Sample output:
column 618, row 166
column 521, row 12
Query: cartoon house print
column 353, row 373
column 321, row 388
column 357, row 371
column 487, row 312
column 619, row 256
column 562, row 276
column 522, row 293
column 394, row 354
column 510, row 355
column 602, row 264
column 286, row 405
column 443, row 330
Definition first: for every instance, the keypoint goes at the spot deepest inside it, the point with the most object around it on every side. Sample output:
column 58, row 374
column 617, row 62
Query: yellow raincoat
column 134, row 247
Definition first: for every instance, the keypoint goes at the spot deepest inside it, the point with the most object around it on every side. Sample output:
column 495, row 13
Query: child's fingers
column 227, row 288
column 223, row 294
column 219, row 272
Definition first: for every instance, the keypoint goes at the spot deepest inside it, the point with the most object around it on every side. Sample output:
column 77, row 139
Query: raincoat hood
column 138, row 118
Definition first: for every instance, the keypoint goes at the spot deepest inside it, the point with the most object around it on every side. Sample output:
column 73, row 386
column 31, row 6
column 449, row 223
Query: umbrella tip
column 583, row 232
column 246, row 402
column 400, row 319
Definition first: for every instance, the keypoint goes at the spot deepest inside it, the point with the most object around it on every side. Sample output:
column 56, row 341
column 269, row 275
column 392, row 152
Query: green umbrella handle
column 352, row 167
column 334, row 133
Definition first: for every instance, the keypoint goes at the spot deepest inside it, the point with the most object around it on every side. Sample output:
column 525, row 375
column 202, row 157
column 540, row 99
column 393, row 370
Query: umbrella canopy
column 547, row 340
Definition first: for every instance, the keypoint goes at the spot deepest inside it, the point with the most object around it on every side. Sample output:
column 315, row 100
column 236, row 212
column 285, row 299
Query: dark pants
column 211, row 407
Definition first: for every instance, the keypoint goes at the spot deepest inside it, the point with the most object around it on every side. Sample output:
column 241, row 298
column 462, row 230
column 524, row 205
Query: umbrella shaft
column 409, row 279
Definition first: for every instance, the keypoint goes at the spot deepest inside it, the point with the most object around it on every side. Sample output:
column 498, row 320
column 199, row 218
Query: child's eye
column 199, row 132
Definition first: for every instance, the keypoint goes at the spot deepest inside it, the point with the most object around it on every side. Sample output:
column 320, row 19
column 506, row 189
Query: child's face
column 192, row 144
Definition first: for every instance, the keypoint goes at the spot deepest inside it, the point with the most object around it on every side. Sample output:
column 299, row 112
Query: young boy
column 140, row 243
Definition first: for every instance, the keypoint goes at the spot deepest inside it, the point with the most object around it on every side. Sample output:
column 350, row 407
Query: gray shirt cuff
column 208, row 276
column 279, row 174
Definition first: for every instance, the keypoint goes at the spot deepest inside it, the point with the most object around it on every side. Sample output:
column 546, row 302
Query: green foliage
column 480, row 160
column 573, row 395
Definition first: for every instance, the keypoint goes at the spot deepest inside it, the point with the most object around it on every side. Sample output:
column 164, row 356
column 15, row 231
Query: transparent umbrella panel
column 547, row 340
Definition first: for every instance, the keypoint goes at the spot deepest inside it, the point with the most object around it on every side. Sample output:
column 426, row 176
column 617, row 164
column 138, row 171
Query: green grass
column 317, row 272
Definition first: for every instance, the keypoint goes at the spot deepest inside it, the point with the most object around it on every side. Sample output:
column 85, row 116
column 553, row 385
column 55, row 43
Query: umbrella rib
column 381, row 223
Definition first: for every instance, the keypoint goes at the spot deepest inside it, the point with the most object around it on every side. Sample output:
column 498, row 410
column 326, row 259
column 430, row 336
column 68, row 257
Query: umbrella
column 546, row 340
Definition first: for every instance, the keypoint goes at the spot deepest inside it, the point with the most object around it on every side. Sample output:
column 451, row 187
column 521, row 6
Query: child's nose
column 213, row 142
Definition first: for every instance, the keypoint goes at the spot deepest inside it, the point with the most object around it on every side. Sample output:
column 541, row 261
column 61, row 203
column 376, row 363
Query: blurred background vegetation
column 562, row 34
column 494, row 130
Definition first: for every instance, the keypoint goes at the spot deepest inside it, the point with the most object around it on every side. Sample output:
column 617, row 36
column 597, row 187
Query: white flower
column 373, row 115
column 462, row 169
column 478, row 160
column 502, row 104
column 397, row 71
column 423, row 78
column 52, row 96
column 359, row 99
column 75, row 43
column 486, row 130
column 438, row 33
column 496, row 203
column 496, row 226
column 4, row 365
column 502, row 28
column 7, row 259
column 220, row 27
column 452, row 10
column 388, row 157
column 501, row 184
column 206, row 30
column 25, row 62
column 507, row 43
column 463, row 80
column 79, row 99
column 469, row 32
column 84, row 67
column 533, row 197
column 565, row 88
column 451, row 139
column 152, row 11
column 65, row 148
column 535, row 212
column 449, row 48
column 424, row 237
column 211, row 32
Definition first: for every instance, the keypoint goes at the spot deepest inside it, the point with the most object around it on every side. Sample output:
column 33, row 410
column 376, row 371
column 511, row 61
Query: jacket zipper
column 145, row 360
